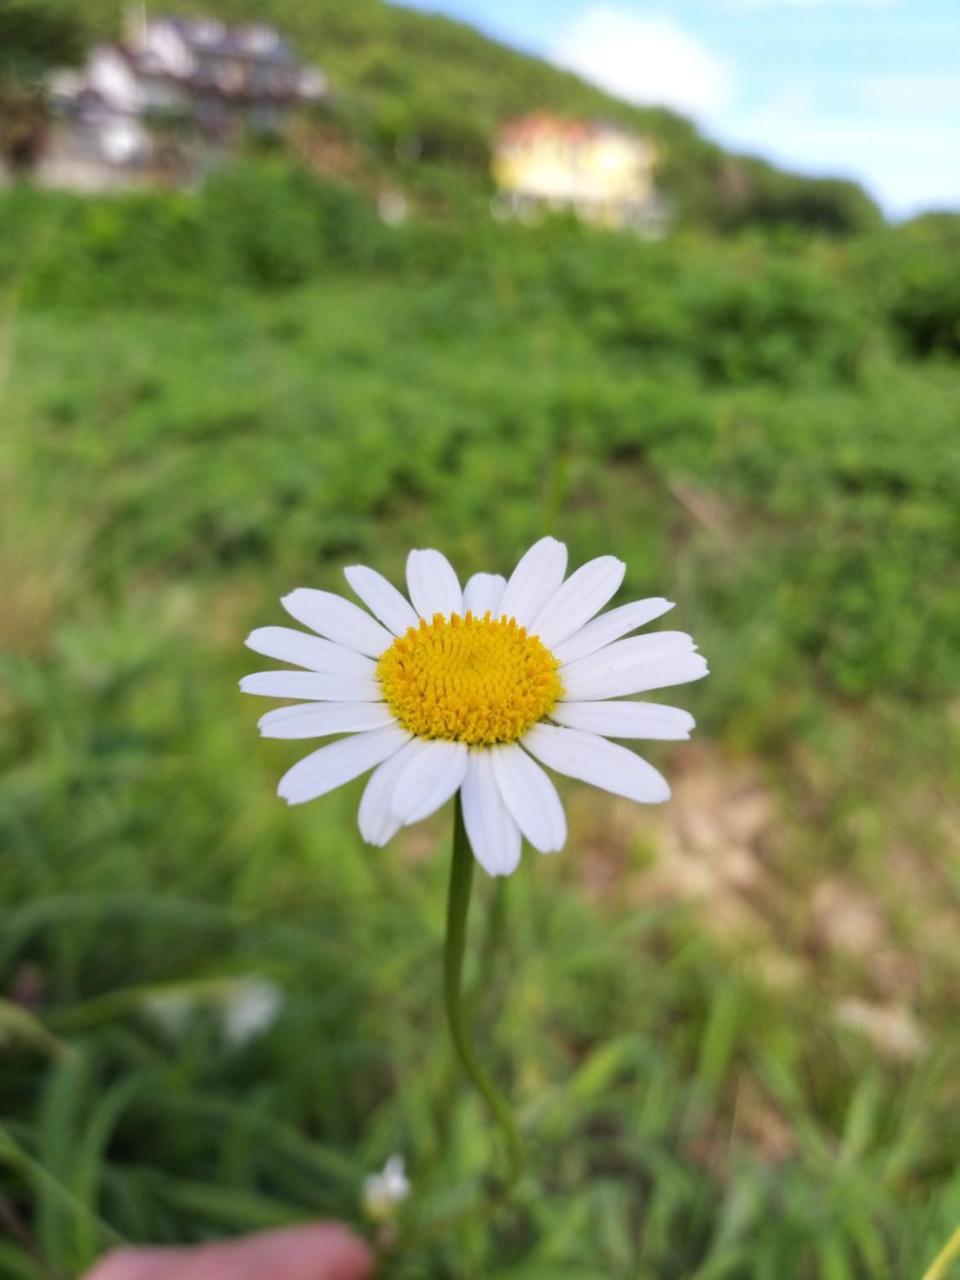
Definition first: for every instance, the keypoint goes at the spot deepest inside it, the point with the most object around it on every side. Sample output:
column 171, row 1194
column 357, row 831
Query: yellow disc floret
column 474, row 680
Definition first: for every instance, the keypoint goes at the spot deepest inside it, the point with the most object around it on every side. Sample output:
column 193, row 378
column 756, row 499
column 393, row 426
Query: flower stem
column 949, row 1253
column 458, row 906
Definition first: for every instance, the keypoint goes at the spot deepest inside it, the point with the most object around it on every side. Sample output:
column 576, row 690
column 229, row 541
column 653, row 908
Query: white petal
column 610, row 626
column 433, row 585
column 530, row 797
column 319, row 719
column 432, row 775
column 483, row 594
column 583, row 594
column 338, row 620
column 633, row 646
column 382, row 598
column 625, row 653
column 633, row 666
column 287, row 645
column 536, row 578
column 312, row 685
column 597, row 761
column 376, row 819
column 625, row 719
column 494, row 836
column 339, row 762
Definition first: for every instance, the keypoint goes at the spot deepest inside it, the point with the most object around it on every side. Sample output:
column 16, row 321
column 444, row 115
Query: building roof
column 205, row 57
column 253, row 40
column 541, row 124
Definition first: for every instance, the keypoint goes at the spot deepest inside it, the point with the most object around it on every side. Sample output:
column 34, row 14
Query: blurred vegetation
column 34, row 40
column 420, row 97
column 210, row 399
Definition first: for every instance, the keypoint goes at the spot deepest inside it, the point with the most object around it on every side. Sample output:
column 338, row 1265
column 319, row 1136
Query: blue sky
column 868, row 89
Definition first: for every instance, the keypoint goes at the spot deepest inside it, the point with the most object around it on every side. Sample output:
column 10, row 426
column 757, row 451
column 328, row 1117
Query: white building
column 193, row 79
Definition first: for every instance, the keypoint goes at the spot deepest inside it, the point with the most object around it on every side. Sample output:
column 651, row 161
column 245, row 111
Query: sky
column 865, row 89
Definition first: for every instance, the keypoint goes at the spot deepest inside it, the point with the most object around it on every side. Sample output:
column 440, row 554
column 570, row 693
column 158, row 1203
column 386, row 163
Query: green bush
column 264, row 225
column 137, row 249
column 731, row 317
column 754, row 194
column 277, row 226
column 782, row 323
column 914, row 271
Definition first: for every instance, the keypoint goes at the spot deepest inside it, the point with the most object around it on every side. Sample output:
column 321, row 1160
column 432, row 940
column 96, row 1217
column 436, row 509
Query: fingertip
column 135, row 1264
column 339, row 1252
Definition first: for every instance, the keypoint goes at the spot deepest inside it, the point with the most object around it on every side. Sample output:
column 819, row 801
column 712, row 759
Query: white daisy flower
column 467, row 689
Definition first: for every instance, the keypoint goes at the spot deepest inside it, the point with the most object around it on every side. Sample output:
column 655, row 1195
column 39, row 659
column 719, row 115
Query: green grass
column 741, row 425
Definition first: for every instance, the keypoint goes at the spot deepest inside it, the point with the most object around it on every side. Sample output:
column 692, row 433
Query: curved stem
column 949, row 1253
column 458, row 906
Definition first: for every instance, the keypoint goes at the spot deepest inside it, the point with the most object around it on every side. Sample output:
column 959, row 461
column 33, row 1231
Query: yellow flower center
column 474, row 680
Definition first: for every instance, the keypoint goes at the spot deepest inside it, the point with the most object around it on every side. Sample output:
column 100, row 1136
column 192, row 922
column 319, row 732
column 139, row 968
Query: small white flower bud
column 384, row 1192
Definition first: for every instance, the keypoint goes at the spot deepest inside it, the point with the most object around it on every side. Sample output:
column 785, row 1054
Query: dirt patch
column 722, row 848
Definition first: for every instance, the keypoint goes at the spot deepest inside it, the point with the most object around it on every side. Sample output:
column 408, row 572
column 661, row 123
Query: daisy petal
column 530, row 797
column 338, row 620
column 610, row 626
column 633, row 666
column 595, row 760
column 625, row 719
column 536, row 578
column 312, row 685
column 493, row 834
column 287, row 645
column 431, row 776
column 625, row 653
column 376, row 819
column 339, row 762
column 483, row 594
column 650, row 642
column 382, row 598
column 433, row 585
column 583, row 594
column 319, row 719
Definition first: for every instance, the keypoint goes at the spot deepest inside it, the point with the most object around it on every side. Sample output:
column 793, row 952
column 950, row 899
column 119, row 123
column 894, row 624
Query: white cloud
column 648, row 60
column 913, row 94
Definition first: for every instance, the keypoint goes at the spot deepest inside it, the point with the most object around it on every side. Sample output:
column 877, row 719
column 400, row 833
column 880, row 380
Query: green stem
column 458, row 906
column 949, row 1253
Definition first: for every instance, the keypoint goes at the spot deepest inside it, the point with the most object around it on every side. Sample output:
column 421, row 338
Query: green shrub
column 139, row 248
column 263, row 225
column 754, row 194
column 277, row 226
column 914, row 271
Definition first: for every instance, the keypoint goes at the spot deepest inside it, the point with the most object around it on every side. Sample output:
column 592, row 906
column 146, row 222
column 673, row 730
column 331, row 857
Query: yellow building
column 602, row 173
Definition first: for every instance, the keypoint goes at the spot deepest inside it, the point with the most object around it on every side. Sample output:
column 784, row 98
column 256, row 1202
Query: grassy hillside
column 729, row 1025
column 422, row 96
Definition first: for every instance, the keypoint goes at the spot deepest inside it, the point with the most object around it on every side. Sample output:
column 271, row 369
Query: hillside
column 729, row 1025
column 421, row 96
